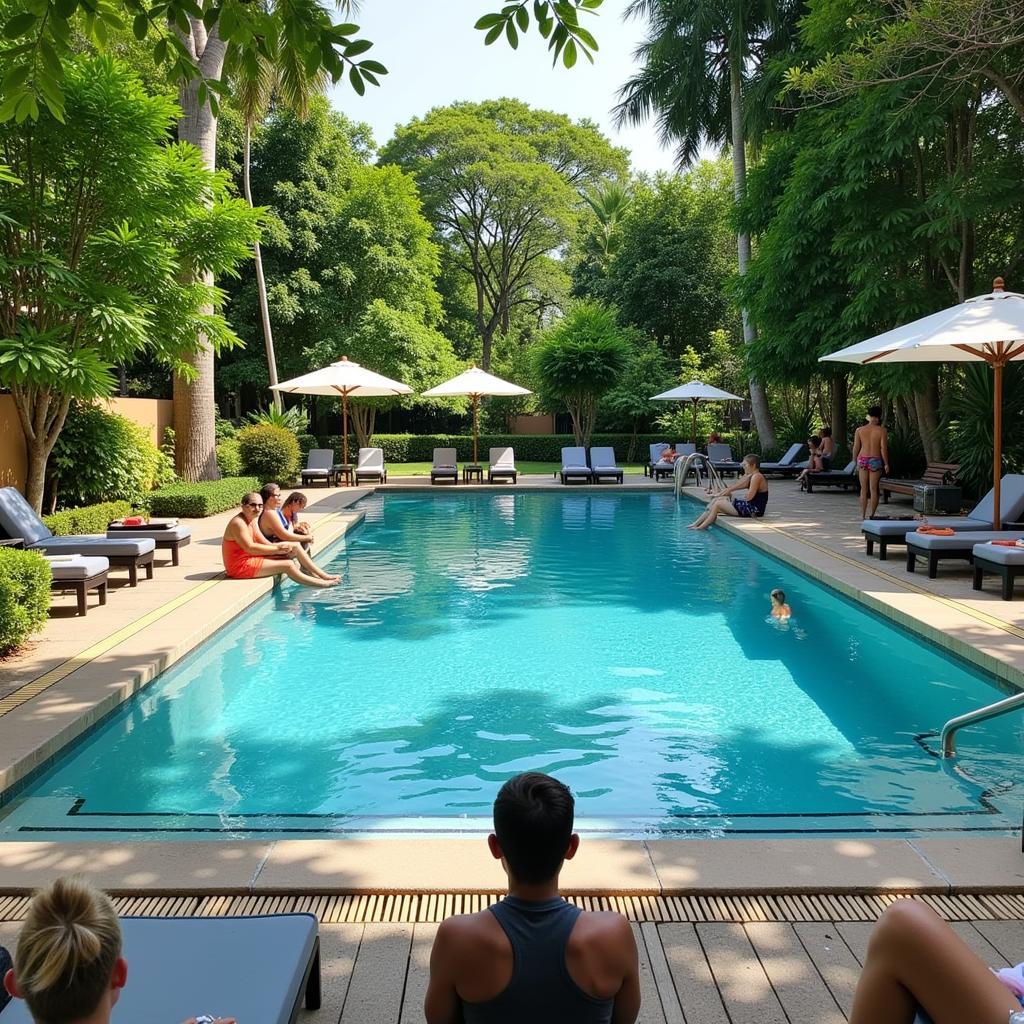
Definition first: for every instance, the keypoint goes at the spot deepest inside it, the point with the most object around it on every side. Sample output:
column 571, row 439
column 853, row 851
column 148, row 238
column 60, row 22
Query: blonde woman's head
column 69, row 953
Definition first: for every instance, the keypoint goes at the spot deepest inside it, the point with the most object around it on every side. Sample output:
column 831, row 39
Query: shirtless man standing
column 871, row 451
column 533, row 958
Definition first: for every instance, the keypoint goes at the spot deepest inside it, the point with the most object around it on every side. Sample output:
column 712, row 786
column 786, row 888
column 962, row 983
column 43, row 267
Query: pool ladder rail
column 947, row 738
column 695, row 462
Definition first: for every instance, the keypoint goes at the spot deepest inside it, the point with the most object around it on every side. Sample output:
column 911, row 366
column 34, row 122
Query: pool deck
column 81, row 668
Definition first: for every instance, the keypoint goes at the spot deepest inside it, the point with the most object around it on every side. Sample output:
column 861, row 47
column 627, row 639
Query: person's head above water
column 778, row 596
column 68, row 964
column 533, row 817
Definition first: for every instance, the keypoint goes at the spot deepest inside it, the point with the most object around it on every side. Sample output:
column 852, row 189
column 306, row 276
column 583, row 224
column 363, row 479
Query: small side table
column 472, row 472
column 12, row 542
column 342, row 470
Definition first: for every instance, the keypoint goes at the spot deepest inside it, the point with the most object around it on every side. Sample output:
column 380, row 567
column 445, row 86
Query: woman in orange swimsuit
column 249, row 555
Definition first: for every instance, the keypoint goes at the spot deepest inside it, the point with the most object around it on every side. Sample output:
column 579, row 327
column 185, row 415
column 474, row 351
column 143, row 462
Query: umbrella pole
column 695, row 422
column 476, row 403
column 344, row 427
column 997, row 442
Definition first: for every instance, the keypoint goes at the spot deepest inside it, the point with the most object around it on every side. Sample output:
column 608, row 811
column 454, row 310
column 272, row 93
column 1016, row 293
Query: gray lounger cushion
column 604, row 459
column 319, row 462
column 17, row 518
column 77, row 568
column 122, row 547
column 961, row 539
column 902, row 527
column 250, row 968
column 171, row 533
column 574, row 460
column 1000, row 553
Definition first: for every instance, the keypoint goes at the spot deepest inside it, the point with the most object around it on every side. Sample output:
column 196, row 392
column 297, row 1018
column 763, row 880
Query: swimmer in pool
column 780, row 610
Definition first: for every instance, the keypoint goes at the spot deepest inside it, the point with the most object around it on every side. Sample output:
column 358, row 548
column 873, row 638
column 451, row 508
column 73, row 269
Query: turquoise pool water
column 591, row 636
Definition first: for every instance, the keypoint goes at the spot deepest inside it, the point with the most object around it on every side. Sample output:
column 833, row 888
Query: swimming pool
column 476, row 635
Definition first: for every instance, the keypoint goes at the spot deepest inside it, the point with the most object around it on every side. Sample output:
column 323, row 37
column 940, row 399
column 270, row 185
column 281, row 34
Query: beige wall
column 532, row 425
column 152, row 413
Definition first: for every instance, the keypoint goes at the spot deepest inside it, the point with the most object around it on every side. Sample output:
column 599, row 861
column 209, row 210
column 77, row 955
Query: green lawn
column 541, row 468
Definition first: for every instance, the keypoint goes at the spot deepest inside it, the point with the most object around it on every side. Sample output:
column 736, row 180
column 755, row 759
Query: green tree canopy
column 501, row 183
column 580, row 359
column 105, row 230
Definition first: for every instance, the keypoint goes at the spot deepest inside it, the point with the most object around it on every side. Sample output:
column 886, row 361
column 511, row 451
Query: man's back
column 537, row 961
column 871, row 436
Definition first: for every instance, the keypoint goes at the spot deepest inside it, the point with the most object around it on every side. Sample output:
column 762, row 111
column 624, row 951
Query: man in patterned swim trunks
column 871, row 450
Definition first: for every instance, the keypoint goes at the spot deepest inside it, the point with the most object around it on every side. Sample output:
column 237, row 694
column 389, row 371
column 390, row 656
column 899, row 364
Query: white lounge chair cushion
column 121, row 547
column 1000, row 553
column 502, row 459
column 445, row 458
column 77, row 568
column 319, row 460
column 961, row 539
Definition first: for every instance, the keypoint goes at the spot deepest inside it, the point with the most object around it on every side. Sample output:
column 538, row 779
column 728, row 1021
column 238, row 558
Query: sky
column 434, row 57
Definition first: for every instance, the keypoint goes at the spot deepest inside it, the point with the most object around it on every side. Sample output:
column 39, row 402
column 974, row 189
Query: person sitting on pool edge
column 68, row 965
column 916, row 962
column 247, row 554
column 751, row 506
column 533, row 958
column 274, row 525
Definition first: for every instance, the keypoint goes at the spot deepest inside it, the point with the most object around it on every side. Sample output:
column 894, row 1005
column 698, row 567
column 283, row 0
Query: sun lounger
column 844, row 478
column 574, row 465
column 502, row 465
column 370, row 465
column 936, row 473
column 73, row 572
column 319, row 466
column 720, row 456
column 655, row 450
column 445, row 466
column 886, row 532
column 168, row 535
column 933, row 549
column 787, row 465
column 663, row 469
column 259, row 970
column 18, row 520
column 602, row 465
column 1004, row 562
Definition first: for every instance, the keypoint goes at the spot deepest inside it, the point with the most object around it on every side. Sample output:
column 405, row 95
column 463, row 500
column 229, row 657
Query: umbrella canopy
column 988, row 328
column 474, row 383
column 696, row 392
column 346, row 379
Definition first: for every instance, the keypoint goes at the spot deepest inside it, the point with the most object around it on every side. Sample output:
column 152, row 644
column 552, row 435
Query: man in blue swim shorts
column 871, row 451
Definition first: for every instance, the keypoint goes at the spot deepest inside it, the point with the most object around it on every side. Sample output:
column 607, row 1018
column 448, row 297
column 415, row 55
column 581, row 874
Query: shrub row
column 268, row 451
column 87, row 519
column 24, row 596
column 195, row 501
column 528, row 447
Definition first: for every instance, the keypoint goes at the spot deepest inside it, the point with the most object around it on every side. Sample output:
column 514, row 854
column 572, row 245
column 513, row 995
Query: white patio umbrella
column 347, row 379
column 695, row 392
column 989, row 328
column 475, row 383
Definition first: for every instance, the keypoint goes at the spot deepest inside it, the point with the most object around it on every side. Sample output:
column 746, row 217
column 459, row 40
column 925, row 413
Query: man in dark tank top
column 533, row 958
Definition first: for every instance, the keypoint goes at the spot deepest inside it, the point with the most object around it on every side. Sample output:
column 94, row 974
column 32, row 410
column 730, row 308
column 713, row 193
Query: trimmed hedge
column 529, row 447
column 269, row 452
column 229, row 457
column 207, row 498
column 87, row 519
column 25, row 579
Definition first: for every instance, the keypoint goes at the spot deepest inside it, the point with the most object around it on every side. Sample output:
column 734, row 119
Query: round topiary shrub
column 24, row 596
column 229, row 457
column 268, row 452
column 100, row 456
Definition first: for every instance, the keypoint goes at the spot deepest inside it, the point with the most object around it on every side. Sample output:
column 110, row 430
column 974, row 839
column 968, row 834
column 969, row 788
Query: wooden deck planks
column 378, row 976
column 804, row 996
column 832, row 958
column 692, row 980
column 418, row 974
column 744, row 987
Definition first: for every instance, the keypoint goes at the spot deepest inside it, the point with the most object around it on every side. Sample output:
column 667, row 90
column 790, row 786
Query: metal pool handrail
column 947, row 739
column 694, row 462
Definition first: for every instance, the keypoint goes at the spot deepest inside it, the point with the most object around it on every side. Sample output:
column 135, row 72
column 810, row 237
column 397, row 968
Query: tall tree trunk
column 364, row 419
column 926, row 409
column 758, row 398
column 195, row 456
column 42, row 418
column 261, row 282
column 840, row 412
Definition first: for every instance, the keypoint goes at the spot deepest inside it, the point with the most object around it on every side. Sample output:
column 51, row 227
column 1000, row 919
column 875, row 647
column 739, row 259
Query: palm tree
column 258, row 76
column 609, row 205
column 697, row 64
column 254, row 84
